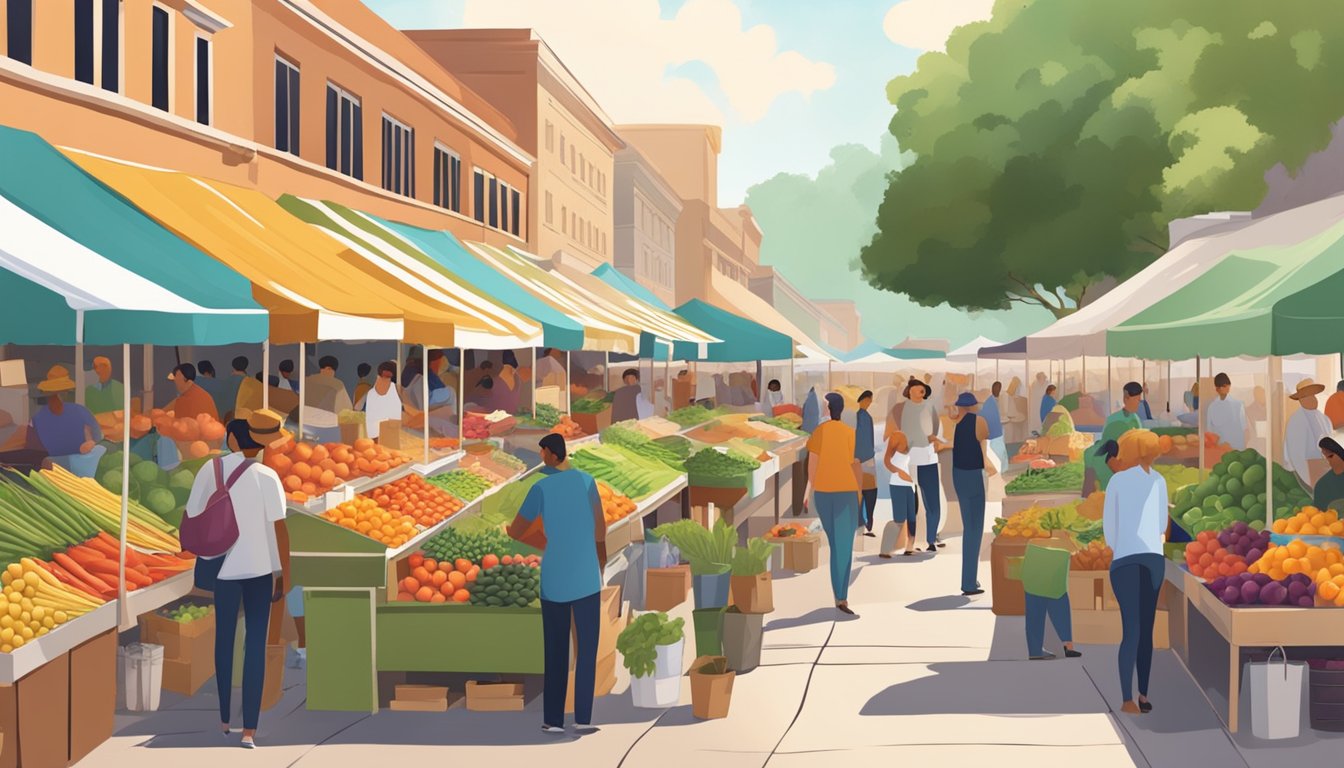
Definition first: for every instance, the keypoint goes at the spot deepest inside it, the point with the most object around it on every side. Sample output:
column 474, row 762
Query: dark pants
column 254, row 596
column 970, row 485
column 929, row 485
column 1038, row 608
column 1136, row 581
column 555, row 626
column 869, row 507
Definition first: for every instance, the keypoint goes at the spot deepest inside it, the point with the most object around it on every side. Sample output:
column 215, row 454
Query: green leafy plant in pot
column 651, row 649
column 751, row 584
column 710, row 553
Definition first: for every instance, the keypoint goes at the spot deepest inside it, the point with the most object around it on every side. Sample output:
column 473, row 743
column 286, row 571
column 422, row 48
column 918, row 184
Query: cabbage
column 160, row 501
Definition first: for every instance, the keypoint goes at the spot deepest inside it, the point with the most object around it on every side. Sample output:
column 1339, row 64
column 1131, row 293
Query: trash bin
column 143, row 669
column 1276, row 696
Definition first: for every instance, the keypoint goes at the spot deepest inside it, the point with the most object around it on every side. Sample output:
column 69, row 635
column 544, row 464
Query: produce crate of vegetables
column 641, row 444
column 547, row 416
column 692, row 415
column 677, row 445
column 1234, row 491
column 452, row 545
column 499, row 508
column 1068, row 477
column 589, row 405
column 634, row 475
column 164, row 493
column 437, row 581
column 74, row 496
column 710, row 467
column 363, row 516
column 515, row 585
column 412, row 495
column 34, row 602
column 465, row 484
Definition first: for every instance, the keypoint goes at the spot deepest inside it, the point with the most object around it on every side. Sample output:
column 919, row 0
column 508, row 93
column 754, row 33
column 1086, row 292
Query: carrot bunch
column 93, row 567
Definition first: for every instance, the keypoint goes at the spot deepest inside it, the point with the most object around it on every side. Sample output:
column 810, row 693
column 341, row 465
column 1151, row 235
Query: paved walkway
column 923, row 677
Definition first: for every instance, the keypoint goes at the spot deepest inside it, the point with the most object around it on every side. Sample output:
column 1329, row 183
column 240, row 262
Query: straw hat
column 264, row 426
column 58, row 380
column 1307, row 388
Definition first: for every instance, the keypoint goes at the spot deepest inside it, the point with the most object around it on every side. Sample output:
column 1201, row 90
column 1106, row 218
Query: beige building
column 646, row 213
column 557, row 120
column 708, row 238
column 846, row 314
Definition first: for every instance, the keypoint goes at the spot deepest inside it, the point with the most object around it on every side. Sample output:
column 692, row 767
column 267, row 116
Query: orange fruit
column 461, row 596
column 463, row 564
column 416, row 560
column 489, row 561
column 438, row 598
column 431, row 564
column 456, row 578
column 409, row 584
column 440, row 578
column 405, row 597
column 422, row 575
column 425, row 593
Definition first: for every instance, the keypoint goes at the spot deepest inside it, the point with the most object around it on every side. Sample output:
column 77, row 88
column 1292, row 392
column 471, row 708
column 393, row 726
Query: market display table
column 1212, row 626
column 155, row 596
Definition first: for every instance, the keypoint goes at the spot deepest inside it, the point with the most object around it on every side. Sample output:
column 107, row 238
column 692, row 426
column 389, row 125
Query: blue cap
column 966, row 400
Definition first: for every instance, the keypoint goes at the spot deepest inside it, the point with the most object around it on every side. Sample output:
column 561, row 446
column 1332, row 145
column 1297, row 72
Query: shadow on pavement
column 817, row 616
column 991, row 688
column 943, row 603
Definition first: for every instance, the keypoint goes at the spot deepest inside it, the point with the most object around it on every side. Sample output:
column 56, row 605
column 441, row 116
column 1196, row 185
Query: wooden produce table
column 1209, row 626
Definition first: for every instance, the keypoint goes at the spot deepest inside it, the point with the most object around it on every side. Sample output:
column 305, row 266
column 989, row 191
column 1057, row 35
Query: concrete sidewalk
column 923, row 676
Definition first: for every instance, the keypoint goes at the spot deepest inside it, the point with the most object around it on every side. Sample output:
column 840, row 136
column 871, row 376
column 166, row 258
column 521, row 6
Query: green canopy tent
column 743, row 340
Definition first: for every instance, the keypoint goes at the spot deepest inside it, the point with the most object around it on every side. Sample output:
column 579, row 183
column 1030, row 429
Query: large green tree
column 1055, row 141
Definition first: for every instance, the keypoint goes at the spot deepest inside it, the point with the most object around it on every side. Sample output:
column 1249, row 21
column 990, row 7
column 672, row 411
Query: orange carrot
column 78, row 571
column 132, row 557
column 66, row 578
column 104, row 544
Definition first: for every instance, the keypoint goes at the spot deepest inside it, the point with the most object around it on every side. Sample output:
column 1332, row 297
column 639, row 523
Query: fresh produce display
column 1235, row 491
column 639, row 641
column 33, row 523
column 412, row 495
column 787, row 422
column 676, row 444
column 1245, row 541
column 589, row 404
column 1259, row 589
column 1294, row 557
column 547, row 416
column 1063, row 423
column 656, row 427
column 164, row 493
column 511, row 585
column 1177, row 476
column 1068, row 477
column 1208, row 558
column 437, row 581
column 309, row 470
column 787, row 530
column 1026, row 524
column 499, row 508
column 615, row 505
column 187, row 612
column 364, row 516
column 465, row 484
column 641, row 444
column 1311, row 521
column 711, row 463
column 567, row 428
column 111, row 424
column 475, row 427
column 70, row 494
column 1096, row 556
column 1330, row 585
column 496, row 462
column 34, row 602
column 452, row 545
column 92, row 567
column 634, row 475
column 691, row 415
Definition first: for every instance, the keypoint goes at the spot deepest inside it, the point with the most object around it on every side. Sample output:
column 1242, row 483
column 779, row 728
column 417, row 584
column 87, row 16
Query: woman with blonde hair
column 1134, row 519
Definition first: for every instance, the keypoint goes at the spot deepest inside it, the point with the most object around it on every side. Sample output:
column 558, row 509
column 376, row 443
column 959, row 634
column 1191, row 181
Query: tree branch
column 1160, row 248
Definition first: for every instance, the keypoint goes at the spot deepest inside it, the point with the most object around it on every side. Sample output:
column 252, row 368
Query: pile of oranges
column 309, row 470
column 431, row 581
column 364, row 516
column 1311, row 522
column 426, row 503
column 1296, row 556
column 1208, row 559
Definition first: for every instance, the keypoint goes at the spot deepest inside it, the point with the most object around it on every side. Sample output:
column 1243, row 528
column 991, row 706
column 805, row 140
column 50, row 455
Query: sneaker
column 1048, row 656
column 884, row 556
column 247, row 743
column 585, row 728
column 551, row 729
column 1069, row 653
column 973, row 592
column 870, row 535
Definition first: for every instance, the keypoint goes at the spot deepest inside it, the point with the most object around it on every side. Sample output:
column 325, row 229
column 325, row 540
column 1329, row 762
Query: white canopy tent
column 970, row 351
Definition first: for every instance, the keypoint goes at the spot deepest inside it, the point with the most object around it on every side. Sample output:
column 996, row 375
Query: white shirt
column 258, row 503
column 1227, row 420
column 1134, row 515
column 1301, row 441
column 902, row 462
column 379, row 408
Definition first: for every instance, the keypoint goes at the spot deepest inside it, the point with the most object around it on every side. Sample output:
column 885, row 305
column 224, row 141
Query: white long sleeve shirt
column 1134, row 515
column 1227, row 420
column 1301, row 441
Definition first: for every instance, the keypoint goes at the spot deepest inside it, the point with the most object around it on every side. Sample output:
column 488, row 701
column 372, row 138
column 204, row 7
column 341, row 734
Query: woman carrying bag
column 235, row 524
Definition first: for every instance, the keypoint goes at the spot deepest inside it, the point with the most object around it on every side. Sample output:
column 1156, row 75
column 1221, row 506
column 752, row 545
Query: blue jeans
column 869, row 507
column 1136, row 581
column 555, row 626
column 970, row 486
column 254, row 596
column 903, row 507
column 1038, row 608
column 929, row 489
column 839, row 513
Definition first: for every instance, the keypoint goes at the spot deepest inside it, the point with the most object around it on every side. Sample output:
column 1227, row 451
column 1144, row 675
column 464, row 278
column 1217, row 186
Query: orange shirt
column 833, row 444
column 193, row 402
column 1334, row 409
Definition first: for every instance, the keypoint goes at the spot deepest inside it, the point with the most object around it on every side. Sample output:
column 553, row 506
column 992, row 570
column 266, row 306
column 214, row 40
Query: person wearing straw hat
column 254, row 573
column 1302, row 437
column 68, row 432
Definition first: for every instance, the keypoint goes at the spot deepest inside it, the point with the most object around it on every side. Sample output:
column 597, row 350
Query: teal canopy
column 150, row 286
column 558, row 330
column 743, row 340
column 648, row 347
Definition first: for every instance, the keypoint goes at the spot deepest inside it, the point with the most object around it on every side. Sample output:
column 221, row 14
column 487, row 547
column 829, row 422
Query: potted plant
column 751, row 584
column 651, row 649
column 711, row 687
column 710, row 553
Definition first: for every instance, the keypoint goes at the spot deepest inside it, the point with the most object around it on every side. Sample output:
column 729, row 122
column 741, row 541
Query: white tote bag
column 1276, row 696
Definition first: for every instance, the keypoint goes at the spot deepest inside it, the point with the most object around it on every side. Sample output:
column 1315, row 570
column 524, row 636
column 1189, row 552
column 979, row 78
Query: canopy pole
column 80, row 377
column 830, row 377
column 606, row 371
column 148, row 368
column 667, row 380
column 265, row 377
column 125, row 487
column 1168, row 387
column 1269, row 443
column 462, row 398
column 1199, row 419
column 303, row 382
column 1109, row 383
column 424, row 393
column 569, row 384
column 1082, row 383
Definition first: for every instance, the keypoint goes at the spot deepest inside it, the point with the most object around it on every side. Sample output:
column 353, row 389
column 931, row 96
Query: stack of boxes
column 188, row 650
column 613, row 621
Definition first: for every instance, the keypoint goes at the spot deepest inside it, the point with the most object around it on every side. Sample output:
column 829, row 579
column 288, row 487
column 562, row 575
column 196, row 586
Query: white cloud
column 622, row 51
column 925, row 24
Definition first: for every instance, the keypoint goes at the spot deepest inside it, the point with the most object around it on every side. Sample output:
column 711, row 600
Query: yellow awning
column 735, row 297
column 314, row 288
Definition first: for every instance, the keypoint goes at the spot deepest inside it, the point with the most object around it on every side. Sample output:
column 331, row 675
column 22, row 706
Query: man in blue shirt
column 865, row 452
column 567, row 503
column 1048, row 401
column 990, row 412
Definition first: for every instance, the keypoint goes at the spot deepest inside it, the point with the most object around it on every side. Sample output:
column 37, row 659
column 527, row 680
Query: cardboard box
column 666, row 588
column 494, row 697
column 1009, row 597
column 93, row 694
column 603, row 681
column 611, row 622
column 407, row 693
column 1085, row 590
column 35, row 718
column 1103, row 628
column 187, row 676
column 398, row 705
column 181, row 642
column 801, row 553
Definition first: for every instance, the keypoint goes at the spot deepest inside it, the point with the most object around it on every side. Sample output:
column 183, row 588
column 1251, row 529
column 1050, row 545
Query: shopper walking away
column 993, row 417
column 921, row 425
column 902, row 489
column 970, row 466
column 1227, row 416
column 1134, row 518
column 865, row 453
column 254, row 572
column 567, row 503
column 833, row 481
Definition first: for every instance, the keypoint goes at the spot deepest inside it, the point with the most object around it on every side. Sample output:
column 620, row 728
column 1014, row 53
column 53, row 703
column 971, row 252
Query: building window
column 398, row 157
column 562, row 147
column 604, row 243
column 84, row 41
column 564, row 220
column 162, row 51
column 583, row 169
column 573, row 167
column 550, row 136
column 203, row 90
column 478, row 196
column 286, row 106
column 494, row 203
column 345, row 132
column 574, row 225
column 549, row 211
column 504, row 219
column 19, row 30
column 515, row 202
column 447, row 180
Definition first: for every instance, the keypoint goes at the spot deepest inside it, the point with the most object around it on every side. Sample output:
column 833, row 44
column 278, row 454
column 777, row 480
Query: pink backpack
column 214, row 531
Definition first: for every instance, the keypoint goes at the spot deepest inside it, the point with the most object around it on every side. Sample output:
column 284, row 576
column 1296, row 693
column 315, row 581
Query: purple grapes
column 1259, row 589
column 1242, row 540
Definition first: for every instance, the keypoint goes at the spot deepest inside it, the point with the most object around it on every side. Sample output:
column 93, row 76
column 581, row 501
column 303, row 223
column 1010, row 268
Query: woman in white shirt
column 897, row 461
column 1134, row 519
column 383, row 401
column 254, row 572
